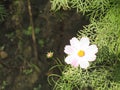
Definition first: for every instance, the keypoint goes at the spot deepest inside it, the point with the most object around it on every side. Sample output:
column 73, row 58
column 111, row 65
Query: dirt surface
column 17, row 70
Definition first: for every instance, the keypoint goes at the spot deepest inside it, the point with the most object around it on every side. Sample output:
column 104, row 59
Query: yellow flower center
column 81, row 53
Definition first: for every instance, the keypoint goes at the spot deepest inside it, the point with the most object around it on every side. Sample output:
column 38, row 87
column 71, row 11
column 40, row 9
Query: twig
column 33, row 31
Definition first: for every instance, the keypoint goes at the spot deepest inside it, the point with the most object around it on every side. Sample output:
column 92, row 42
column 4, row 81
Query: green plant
column 92, row 7
column 104, row 31
column 27, row 71
column 28, row 32
column 37, row 88
column 3, row 13
column 10, row 36
column 4, row 84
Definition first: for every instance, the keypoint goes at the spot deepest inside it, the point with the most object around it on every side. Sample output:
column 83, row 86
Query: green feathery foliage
column 94, row 8
column 106, row 34
column 104, row 31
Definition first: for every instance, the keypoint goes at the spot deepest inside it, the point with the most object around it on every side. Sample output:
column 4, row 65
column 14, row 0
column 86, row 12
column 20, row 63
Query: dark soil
column 17, row 68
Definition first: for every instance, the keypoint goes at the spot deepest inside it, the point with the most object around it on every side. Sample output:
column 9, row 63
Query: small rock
column 3, row 54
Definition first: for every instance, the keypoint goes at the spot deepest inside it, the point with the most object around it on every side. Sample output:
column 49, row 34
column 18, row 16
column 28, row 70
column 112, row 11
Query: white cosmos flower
column 80, row 52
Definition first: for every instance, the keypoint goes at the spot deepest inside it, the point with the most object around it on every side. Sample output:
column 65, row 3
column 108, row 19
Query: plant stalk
column 33, row 31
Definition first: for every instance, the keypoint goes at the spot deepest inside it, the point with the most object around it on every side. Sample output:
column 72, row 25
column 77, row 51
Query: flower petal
column 68, row 49
column 84, row 41
column 75, row 63
column 71, row 59
column 74, row 42
column 90, row 57
column 84, row 64
column 92, row 49
column 90, row 53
